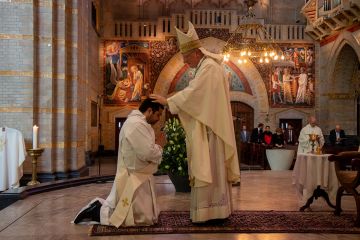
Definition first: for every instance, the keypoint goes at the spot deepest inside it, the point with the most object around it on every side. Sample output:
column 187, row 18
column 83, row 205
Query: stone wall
column 339, row 80
column 44, row 75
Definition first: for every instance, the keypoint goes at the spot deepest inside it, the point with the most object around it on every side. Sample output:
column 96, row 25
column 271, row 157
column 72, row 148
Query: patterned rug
column 242, row 222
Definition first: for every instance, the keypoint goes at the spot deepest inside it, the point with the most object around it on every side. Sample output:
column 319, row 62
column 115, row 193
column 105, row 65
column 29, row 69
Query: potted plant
column 174, row 161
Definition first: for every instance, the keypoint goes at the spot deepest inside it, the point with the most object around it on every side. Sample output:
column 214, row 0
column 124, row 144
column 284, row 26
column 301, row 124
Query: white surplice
column 304, row 143
column 132, row 200
column 12, row 156
column 205, row 113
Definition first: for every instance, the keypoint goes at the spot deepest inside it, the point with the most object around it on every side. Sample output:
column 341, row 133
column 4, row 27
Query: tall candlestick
column 35, row 136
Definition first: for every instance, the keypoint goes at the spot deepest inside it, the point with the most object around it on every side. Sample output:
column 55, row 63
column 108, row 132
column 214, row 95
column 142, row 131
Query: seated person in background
column 256, row 134
column 267, row 137
column 337, row 136
column 132, row 200
column 244, row 135
column 278, row 138
column 290, row 135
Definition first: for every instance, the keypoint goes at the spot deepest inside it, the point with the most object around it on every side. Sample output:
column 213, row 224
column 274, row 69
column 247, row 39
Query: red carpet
column 242, row 222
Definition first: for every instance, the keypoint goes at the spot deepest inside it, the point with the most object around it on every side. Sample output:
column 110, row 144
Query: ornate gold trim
column 186, row 47
column 62, row 144
column 340, row 96
column 45, row 40
column 21, row 2
column 38, row 74
column 38, row 110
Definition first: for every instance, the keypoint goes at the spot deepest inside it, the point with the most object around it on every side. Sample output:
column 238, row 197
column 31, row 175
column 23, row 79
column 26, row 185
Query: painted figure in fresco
column 287, row 80
column 302, row 84
column 113, row 58
column 296, row 57
column 310, row 91
column 122, row 91
column 309, row 57
column 137, row 79
column 276, row 85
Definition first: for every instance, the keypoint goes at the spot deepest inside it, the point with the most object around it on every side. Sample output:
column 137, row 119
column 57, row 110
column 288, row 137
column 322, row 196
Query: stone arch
column 342, row 80
column 345, row 38
column 258, row 101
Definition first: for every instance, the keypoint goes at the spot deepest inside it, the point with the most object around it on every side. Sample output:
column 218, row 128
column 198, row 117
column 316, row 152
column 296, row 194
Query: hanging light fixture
column 251, row 41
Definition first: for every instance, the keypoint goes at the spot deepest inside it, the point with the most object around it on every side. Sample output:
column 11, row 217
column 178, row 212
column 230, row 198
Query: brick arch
column 230, row 64
column 343, row 65
column 346, row 64
column 259, row 98
column 345, row 38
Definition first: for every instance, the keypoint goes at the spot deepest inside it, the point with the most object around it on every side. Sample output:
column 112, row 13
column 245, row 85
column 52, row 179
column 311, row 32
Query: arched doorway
column 243, row 115
column 342, row 107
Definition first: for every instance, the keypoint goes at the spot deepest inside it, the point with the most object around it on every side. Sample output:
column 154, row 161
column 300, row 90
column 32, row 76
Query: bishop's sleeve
column 142, row 139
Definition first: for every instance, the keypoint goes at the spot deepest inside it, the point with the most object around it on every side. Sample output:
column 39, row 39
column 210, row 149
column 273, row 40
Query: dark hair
column 267, row 126
column 260, row 125
column 148, row 103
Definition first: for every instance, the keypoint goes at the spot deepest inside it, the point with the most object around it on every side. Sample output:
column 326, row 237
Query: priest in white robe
column 132, row 200
column 12, row 157
column 205, row 112
column 304, row 138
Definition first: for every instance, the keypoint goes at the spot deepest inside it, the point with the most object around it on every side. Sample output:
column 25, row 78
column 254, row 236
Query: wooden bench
column 349, row 179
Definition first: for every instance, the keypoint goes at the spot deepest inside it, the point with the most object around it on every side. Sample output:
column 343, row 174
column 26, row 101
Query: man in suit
column 256, row 134
column 291, row 137
column 337, row 136
column 244, row 135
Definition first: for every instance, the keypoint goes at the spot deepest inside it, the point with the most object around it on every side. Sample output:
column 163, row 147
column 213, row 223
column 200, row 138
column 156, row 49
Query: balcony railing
column 210, row 19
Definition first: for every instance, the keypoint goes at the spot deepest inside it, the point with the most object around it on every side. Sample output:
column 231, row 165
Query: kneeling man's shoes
column 92, row 213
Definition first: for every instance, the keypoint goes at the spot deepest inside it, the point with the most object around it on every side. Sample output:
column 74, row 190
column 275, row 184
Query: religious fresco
column 237, row 81
column 291, row 82
column 125, row 72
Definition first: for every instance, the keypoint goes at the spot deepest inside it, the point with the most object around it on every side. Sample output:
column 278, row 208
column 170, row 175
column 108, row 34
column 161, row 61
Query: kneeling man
column 132, row 199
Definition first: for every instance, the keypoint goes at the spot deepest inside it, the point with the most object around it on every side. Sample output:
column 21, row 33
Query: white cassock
column 304, row 143
column 205, row 113
column 12, row 156
column 132, row 200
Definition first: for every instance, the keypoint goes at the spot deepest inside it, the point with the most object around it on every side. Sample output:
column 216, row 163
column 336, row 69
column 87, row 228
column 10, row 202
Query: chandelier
column 251, row 41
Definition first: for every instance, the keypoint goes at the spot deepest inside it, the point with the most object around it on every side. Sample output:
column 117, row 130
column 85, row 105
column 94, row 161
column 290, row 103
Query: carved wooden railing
column 164, row 27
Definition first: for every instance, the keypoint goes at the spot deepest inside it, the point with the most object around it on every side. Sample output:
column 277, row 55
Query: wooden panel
column 243, row 114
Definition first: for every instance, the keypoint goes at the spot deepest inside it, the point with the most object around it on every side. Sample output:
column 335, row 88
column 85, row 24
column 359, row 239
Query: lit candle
column 35, row 136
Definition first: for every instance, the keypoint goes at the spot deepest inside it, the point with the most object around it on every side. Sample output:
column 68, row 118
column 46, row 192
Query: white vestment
column 301, row 93
column 205, row 113
column 12, row 156
column 132, row 200
column 304, row 143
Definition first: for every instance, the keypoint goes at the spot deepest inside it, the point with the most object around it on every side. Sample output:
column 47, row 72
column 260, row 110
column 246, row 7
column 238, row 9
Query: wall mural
column 237, row 81
column 126, row 72
column 131, row 70
column 292, row 82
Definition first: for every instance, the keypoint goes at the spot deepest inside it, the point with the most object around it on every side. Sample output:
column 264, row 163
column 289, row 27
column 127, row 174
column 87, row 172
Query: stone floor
column 48, row 215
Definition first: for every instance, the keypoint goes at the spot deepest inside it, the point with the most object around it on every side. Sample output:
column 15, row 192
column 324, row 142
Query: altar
column 314, row 176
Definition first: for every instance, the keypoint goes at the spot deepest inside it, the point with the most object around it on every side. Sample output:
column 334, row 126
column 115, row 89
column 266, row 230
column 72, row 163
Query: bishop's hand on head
column 159, row 99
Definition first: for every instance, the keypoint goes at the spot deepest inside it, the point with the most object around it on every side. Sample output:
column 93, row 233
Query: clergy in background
column 132, row 200
column 205, row 113
column 310, row 128
column 12, row 157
